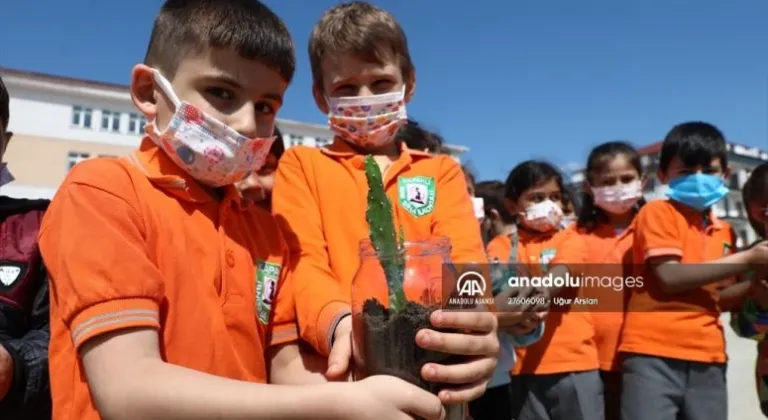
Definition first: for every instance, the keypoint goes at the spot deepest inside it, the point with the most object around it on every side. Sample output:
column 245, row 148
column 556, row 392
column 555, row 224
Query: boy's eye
column 264, row 108
column 382, row 86
column 220, row 93
column 555, row 197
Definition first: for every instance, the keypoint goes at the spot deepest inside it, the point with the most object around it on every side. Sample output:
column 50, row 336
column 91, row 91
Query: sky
column 511, row 80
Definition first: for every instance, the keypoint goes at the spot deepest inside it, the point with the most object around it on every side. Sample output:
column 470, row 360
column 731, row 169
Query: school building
column 60, row 121
column 741, row 160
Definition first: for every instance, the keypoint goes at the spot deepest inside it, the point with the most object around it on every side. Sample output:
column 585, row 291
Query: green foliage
column 383, row 235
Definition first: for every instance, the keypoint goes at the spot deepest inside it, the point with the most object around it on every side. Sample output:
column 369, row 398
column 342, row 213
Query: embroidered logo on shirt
column 546, row 256
column 417, row 194
column 267, row 275
column 10, row 273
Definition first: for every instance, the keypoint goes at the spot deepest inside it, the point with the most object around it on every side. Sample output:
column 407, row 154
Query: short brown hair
column 362, row 29
column 246, row 26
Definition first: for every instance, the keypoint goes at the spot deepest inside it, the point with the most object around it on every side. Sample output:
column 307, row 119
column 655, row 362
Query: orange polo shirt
column 134, row 242
column 609, row 255
column 687, row 325
column 567, row 344
column 320, row 199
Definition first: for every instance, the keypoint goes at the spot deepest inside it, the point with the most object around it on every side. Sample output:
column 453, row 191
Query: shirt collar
column 340, row 148
column 165, row 174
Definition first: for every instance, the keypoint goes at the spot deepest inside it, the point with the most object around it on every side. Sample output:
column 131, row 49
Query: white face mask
column 206, row 148
column 479, row 204
column 368, row 121
column 618, row 199
column 544, row 216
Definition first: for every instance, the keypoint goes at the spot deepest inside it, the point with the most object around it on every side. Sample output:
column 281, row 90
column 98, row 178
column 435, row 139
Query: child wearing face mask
column 674, row 360
column 613, row 193
column 497, row 220
column 556, row 377
column 363, row 77
column 750, row 319
column 258, row 185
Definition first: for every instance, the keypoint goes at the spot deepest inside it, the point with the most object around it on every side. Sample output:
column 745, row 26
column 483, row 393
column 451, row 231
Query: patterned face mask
column 544, row 216
column 207, row 149
column 368, row 121
column 618, row 199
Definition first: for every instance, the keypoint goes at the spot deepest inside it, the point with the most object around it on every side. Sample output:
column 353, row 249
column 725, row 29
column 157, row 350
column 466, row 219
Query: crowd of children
column 209, row 273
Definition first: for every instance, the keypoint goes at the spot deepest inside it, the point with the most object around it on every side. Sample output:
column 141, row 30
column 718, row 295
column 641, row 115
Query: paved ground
column 742, row 397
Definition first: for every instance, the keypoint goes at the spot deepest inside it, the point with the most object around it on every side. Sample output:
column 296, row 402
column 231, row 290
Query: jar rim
column 433, row 245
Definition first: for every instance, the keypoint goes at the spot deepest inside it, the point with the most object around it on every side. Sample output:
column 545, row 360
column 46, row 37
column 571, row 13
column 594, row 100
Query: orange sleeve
column 283, row 328
column 498, row 249
column 92, row 242
column 657, row 233
column 320, row 303
column 455, row 215
column 571, row 249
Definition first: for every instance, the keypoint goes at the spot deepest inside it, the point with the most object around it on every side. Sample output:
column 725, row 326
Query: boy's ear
column 662, row 178
column 410, row 87
column 320, row 99
column 143, row 90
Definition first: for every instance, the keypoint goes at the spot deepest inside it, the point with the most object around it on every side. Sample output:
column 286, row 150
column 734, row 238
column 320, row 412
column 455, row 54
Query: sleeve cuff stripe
column 103, row 320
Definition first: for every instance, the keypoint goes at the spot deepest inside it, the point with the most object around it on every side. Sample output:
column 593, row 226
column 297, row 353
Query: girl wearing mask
column 555, row 378
column 612, row 196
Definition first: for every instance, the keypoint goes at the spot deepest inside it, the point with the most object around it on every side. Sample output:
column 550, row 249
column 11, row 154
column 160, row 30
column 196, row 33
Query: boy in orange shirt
column 163, row 279
column 363, row 77
column 673, row 342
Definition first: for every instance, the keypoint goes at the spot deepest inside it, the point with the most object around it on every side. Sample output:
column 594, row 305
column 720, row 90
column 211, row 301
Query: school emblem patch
column 267, row 275
column 546, row 257
column 417, row 194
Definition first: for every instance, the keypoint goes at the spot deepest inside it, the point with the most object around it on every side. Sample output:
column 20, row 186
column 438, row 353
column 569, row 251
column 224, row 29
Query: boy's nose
column 365, row 91
column 246, row 124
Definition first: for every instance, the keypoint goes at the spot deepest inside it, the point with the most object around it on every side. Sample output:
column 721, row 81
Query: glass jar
column 393, row 297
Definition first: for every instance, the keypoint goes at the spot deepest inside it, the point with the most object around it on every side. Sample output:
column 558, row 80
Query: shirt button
column 230, row 258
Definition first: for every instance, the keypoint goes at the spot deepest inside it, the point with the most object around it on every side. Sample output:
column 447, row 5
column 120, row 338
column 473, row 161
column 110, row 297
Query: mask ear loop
column 166, row 87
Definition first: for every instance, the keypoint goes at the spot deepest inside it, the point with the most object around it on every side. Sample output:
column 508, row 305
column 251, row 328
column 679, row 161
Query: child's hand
column 758, row 256
column 480, row 342
column 514, row 305
column 387, row 397
column 525, row 327
column 341, row 351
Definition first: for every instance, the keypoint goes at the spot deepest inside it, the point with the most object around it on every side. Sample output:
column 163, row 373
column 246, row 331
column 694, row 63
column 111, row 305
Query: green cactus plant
column 383, row 235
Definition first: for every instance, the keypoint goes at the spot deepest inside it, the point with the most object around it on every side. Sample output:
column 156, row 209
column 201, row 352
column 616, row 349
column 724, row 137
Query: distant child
column 672, row 343
column 165, row 284
column 363, row 77
column 417, row 137
column 497, row 220
column 258, row 185
column 570, row 209
column 750, row 320
column 478, row 204
column 557, row 377
column 613, row 194
column 25, row 389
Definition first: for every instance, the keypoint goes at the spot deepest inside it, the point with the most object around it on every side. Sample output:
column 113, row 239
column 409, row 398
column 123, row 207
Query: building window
column 81, row 116
column 73, row 158
column 136, row 123
column 295, row 140
column 322, row 142
column 107, row 156
column 110, row 121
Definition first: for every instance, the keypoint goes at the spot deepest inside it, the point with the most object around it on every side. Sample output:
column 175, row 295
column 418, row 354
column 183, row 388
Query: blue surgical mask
column 698, row 190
